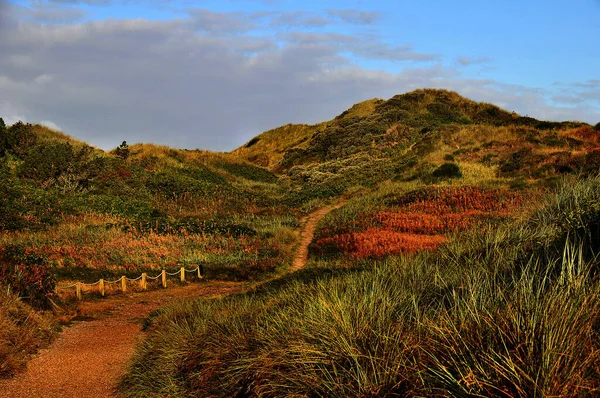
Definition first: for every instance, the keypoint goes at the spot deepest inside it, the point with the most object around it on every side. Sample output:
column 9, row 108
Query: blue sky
column 212, row 74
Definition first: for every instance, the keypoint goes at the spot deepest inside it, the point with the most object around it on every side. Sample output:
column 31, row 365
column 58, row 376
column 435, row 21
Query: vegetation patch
column 22, row 332
column 476, row 317
column 414, row 221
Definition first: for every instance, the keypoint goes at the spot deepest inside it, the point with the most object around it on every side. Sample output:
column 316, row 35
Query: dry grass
column 22, row 332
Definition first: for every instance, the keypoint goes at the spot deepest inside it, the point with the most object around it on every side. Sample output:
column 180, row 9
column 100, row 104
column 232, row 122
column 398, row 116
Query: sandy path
column 88, row 358
column 308, row 233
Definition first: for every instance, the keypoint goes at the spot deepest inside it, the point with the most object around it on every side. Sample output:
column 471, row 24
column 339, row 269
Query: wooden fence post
column 101, row 287
column 183, row 274
column 164, row 278
column 123, row 284
column 78, row 291
column 143, row 281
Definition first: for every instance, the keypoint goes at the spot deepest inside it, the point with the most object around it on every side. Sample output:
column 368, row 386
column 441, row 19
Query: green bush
column 46, row 161
column 122, row 151
column 447, row 170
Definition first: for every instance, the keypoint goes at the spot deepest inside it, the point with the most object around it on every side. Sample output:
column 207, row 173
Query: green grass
column 93, row 213
column 511, row 310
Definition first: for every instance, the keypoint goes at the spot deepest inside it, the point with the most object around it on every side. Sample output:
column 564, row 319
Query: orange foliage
column 421, row 223
column 418, row 221
column 462, row 199
column 374, row 243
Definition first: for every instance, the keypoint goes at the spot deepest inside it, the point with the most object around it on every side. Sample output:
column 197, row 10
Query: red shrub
column 375, row 243
column 417, row 221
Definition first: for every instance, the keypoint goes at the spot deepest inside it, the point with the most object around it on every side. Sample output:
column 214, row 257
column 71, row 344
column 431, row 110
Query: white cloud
column 169, row 83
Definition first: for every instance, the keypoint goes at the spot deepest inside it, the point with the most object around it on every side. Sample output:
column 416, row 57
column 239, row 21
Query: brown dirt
column 308, row 232
column 89, row 357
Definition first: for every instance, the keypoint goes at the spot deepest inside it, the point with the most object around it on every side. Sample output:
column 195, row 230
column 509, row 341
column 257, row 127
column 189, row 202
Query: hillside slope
column 409, row 136
column 85, row 213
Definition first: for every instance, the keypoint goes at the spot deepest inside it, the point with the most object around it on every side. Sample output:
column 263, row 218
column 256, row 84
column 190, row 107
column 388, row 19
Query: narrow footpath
column 89, row 357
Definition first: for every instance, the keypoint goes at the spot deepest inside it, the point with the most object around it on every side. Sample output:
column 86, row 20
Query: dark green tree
column 3, row 138
column 122, row 150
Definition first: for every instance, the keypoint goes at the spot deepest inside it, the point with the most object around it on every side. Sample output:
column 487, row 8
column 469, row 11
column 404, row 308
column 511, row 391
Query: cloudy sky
column 213, row 74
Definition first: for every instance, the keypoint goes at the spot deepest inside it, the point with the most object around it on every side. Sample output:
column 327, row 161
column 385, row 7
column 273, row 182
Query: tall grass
column 22, row 332
column 509, row 311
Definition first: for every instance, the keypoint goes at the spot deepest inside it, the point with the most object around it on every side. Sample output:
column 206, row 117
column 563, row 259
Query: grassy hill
column 79, row 212
column 395, row 283
column 412, row 136
column 69, row 211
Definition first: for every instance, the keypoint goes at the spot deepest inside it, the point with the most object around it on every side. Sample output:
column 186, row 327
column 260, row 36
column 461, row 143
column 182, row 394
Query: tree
column 3, row 138
column 122, row 150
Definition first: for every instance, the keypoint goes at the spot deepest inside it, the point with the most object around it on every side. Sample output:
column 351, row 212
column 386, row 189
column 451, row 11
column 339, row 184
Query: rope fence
column 143, row 281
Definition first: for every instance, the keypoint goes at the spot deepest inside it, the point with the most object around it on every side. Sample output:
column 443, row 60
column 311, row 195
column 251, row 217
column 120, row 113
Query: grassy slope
column 494, row 313
column 507, row 311
column 90, row 214
column 22, row 332
column 409, row 136
column 78, row 212
column 269, row 148
column 70, row 211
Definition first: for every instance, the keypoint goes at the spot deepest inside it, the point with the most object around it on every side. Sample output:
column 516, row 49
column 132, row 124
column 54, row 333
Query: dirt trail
column 308, row 232
column 88, row 358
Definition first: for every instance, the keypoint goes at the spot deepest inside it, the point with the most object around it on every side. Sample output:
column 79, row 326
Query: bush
column 447, row 170
column 16, row 139
column 122, row 151
column 27, row 275
column 45, row 161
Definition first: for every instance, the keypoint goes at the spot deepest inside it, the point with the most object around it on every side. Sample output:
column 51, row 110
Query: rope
column 107, row 282
column 67, row 287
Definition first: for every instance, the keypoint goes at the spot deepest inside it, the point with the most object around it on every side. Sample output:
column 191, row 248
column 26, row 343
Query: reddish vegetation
column 375, row 242
column 417, row 221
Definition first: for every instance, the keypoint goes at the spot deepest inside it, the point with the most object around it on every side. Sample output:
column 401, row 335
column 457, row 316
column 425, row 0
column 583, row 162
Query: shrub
column 27, row 275
column 447, row 170
column 122, row 151
column 48, row 160
column 16, row 139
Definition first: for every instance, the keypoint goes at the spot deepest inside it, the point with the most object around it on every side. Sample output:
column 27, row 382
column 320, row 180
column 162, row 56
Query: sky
column 213, row 74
